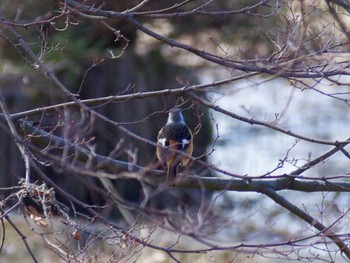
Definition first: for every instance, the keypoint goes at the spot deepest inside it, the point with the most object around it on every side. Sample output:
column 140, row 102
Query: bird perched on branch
column 175, row 137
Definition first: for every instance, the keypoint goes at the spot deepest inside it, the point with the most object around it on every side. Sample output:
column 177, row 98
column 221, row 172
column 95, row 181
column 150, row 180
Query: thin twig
column 262, row 123
column 23, row 237
column 306, row 217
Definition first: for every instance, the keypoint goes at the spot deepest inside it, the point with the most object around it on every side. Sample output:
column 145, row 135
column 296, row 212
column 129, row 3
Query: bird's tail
column 172, row 171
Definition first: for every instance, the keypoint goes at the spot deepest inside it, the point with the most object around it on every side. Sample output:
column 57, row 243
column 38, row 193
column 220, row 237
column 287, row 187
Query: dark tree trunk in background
column 113, row 76
column 141, row 73
column 131, row 72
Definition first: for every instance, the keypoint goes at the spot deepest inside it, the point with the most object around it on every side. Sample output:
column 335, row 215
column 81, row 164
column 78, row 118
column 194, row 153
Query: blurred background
column 93, row 61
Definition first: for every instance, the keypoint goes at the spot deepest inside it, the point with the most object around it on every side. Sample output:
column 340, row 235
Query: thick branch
column 306, row 217
column 256, row 185
column 265, row 66
column 43, row 139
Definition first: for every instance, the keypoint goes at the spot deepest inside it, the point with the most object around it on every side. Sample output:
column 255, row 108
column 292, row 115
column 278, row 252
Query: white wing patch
column 162, row 141
column 185, row 141
column 185, row 144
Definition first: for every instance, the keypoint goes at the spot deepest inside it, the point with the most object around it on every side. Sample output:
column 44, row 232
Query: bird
column 175, row 135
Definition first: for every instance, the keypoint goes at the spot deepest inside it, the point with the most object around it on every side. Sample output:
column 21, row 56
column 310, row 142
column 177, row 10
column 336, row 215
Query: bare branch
column 303, row 215
column 43, row 139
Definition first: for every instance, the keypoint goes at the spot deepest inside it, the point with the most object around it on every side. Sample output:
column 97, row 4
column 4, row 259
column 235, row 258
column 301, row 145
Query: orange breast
column 168, row 157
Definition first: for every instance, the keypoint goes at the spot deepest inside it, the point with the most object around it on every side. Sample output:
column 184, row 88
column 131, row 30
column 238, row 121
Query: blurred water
column 252, row 150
